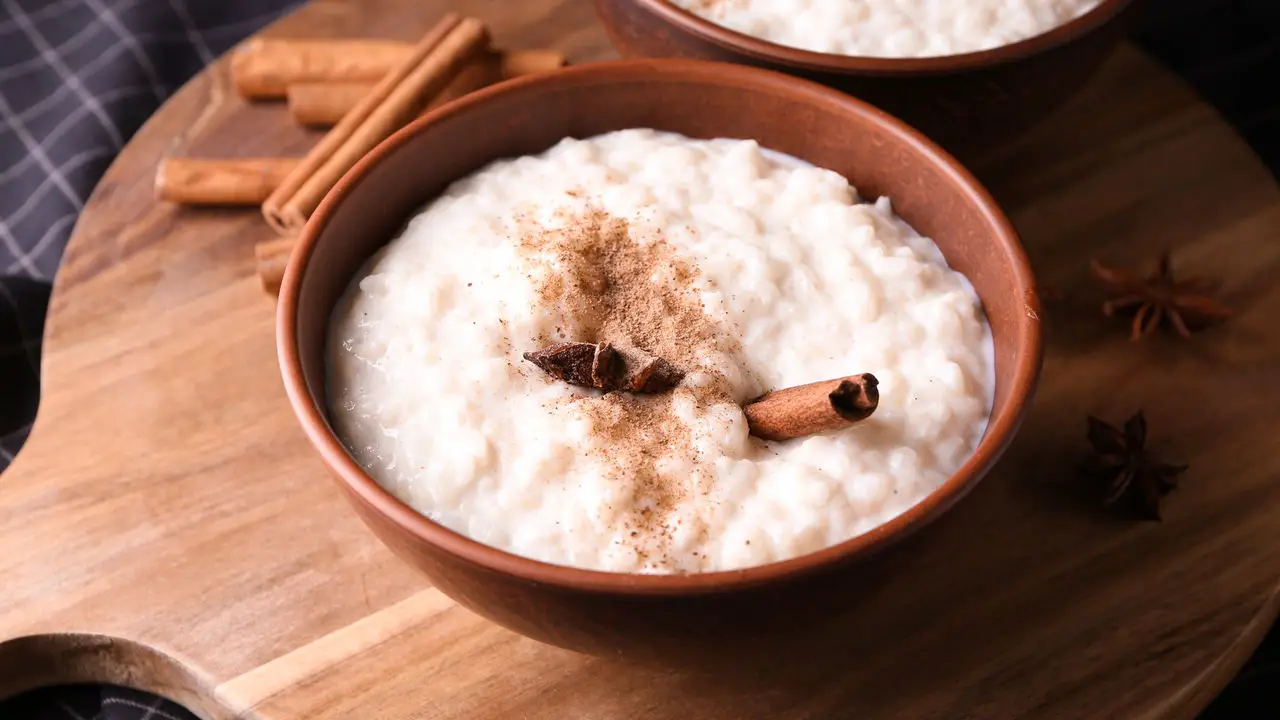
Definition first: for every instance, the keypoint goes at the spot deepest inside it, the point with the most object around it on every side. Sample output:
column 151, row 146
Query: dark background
column 1229, row 50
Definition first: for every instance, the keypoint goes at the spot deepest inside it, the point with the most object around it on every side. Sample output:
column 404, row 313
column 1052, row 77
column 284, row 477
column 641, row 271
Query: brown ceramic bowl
column 965, row 102
column 644, row 616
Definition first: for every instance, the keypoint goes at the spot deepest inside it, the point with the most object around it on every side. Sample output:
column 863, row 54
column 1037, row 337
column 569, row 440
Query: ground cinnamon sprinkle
column 639, row 296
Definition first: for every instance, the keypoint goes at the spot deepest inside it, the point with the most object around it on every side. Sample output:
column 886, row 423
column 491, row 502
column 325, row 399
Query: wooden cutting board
column 168, row 527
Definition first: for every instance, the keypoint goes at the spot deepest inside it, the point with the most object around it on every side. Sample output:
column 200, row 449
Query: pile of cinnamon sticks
column 362, row 91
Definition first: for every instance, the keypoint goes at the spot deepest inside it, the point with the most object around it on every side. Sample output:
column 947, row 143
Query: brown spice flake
column 581, row 364
column 654, row 376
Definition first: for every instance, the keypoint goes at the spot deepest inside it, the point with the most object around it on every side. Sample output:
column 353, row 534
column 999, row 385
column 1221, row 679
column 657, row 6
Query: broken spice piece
column 1188, row 305
column 813, row 408
column 602, row 367
column 651, row 375
column 583, row 364
column 1131, row 472
column 606, row 367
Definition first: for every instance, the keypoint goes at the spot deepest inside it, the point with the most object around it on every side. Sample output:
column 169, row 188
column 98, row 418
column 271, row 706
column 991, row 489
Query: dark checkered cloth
column 78, row 77
column 92, row 702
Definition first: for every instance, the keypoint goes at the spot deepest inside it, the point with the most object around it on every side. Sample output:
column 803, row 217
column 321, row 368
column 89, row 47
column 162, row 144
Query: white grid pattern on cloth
column 109, row 18
column 55, row 61
column 60, row 113
column 152, row 710
column 71, row 712
column 89, row 702
column 22, row 259
column 9, row 25
column 54, row 175
column 193, row 33
column 55, row 231
column 51, row 101
column 75, row 42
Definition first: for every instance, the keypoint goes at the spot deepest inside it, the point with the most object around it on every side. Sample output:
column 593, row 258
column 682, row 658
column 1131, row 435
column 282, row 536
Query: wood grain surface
column 167, row 527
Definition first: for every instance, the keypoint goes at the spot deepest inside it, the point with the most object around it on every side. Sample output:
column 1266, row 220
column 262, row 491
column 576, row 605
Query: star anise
column 601, row 366
column 1187, row 305
column 582, row 364
column 1131, row 472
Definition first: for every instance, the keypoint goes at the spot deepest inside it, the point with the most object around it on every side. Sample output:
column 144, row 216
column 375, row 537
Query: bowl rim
column 760, row 49
column 1000, row 429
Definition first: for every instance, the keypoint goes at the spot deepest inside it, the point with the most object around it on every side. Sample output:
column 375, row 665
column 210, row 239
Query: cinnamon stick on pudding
column 220, row 181
column 813, row 408
column 324, row 103
column 436, row 60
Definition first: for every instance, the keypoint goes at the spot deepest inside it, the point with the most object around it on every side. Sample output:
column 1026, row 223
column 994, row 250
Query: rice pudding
column 747, row 270
column 890, row 28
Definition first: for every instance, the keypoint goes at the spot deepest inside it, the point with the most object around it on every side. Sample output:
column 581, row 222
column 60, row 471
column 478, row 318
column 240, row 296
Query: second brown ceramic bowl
column 652, row 616
column 966, row 102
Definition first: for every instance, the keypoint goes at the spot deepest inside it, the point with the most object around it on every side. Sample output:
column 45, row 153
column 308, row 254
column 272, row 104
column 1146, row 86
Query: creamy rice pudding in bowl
column 969, row 73
column 622, row 356
column 902, row 29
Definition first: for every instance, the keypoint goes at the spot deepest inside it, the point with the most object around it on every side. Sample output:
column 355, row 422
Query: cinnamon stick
column 323, row 103
column 250, row 181
column 264, row 67
column 218, row 181
column 813, row 408
column 436, row 60
column 519, row 63
column 272, row 257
